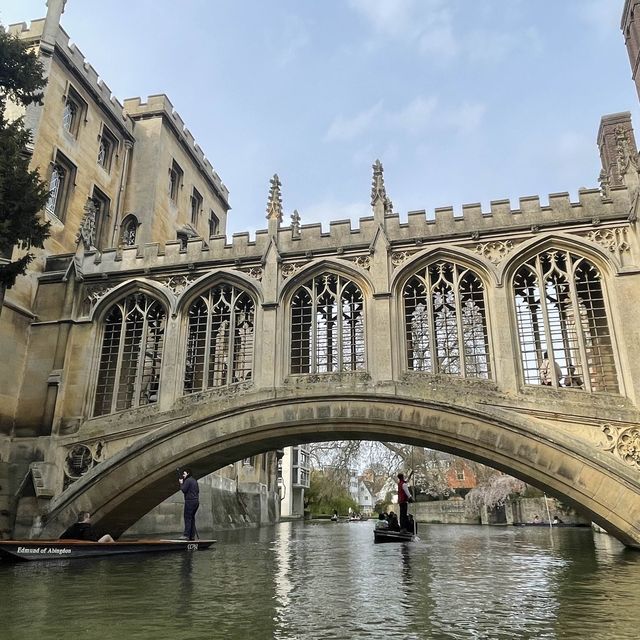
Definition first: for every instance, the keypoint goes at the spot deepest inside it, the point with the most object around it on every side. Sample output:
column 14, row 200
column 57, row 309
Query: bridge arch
column 130, row 483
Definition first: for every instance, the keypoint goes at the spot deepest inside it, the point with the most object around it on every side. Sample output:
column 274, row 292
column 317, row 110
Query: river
column 328, row 580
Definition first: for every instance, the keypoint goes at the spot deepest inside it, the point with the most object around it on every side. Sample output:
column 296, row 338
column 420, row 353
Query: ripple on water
column 328, row 580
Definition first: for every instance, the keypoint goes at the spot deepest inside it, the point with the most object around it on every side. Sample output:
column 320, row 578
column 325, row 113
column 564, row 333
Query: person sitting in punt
column 392, row 520
column 556, row 520
column 536, row 520
column 382, row 522
column 82, row 530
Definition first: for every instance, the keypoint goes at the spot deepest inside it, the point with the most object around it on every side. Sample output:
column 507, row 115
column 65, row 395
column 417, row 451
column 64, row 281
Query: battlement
column 26, row 30
column 345, row 240
column 160, row 105
column 93, row 83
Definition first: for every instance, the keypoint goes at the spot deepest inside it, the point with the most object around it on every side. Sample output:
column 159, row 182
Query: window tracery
column 445, row 322
column 561, row 312
column 129, row 231
column 220, row 342
column 327, row 326
column 131, row 355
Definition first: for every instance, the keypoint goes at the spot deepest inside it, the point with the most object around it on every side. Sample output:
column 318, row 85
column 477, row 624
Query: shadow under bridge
column 123, row 488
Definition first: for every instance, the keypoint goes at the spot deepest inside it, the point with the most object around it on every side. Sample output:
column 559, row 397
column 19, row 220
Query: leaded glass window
column 129, row 231
column 327, row 326
column 220, row 339
column 56, row 188
column 70, row 115
column 131, row 356
column 562, row 319
column 445, row 322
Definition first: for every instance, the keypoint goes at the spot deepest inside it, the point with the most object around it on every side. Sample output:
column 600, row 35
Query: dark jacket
column 80, row 531
column 190, row 489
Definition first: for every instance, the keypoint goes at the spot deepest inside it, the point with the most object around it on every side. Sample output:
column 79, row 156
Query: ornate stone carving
column 623, row 442
column 364, row 262
column 87, row 231
column 316, row 378
column 614, row 240
column 399, row 257
column 253, row 272
column 290, row 268
column 81, row 458
column 494, row 251
column 295, row 223
column 93, row 295
column 605, row 183
column 624, row 155
column 378, row 190
column 274, row 205
column 177, row 284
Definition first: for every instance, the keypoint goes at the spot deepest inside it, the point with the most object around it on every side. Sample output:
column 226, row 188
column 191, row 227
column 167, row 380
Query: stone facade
column 508, row 336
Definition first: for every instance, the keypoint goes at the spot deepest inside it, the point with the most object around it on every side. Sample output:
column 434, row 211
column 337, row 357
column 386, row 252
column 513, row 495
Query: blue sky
column 462, row 101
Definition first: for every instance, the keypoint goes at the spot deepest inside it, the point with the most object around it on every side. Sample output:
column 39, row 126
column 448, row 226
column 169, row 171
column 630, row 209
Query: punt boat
column 384, row 535
column 30, row 550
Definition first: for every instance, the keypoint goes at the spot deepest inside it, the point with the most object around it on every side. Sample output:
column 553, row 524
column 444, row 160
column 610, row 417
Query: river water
column 328, row 580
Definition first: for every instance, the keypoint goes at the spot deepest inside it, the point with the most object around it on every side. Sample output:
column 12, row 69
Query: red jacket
column 402, row 496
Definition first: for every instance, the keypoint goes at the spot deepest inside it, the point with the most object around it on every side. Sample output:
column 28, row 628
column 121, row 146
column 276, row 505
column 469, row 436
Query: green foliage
column 327, row 494
column 22, row 193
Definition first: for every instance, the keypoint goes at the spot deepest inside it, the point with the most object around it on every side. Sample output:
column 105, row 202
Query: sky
column 462, row 101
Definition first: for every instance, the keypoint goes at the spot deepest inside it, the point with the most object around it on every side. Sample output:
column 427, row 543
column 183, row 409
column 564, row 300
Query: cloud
column 426, row 24
column 416, row 116
column 296, row 37
column 465, row 118
column 419, row 115
column 344, row 128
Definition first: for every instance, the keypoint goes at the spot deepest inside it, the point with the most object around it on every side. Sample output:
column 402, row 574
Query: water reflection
column 328, row 580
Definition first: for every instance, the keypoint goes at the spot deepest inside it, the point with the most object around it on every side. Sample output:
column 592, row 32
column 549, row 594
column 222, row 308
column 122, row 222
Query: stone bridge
column 573, row 458
column 508, row 336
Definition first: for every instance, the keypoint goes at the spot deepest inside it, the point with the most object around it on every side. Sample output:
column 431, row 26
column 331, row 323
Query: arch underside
column 126, row 486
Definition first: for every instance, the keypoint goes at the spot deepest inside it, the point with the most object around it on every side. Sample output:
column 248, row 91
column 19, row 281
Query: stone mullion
column 232, row 336
column 433, row 344
column 582, row 347
column 137, row 387
column 206, row 362
column 545, row 321
column 456, row 295
column 116, row 378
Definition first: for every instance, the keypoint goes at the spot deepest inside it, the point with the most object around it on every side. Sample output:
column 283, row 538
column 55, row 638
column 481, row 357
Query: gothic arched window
column 327, row 326
column 131, row 356
column 445, row 322
column 561, row 313
column 219, row 339
column 129, row 231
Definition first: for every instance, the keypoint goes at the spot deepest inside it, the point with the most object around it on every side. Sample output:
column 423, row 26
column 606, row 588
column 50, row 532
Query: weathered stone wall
column 520, row 511
column 222, row 506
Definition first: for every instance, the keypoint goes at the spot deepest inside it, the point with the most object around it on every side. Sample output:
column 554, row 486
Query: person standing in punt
column 404, row 498
column 191, row 491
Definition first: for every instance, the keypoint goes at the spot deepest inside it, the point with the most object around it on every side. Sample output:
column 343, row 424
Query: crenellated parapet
column 500, row 223
column 160, row 105
column 74, row 58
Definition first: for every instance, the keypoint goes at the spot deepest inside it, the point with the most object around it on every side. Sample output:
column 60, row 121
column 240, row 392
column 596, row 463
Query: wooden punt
column 384, row 535
column 30, row 550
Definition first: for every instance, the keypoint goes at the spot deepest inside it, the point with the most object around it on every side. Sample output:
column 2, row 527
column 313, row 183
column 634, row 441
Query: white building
column 366, row 498
column 293, row 479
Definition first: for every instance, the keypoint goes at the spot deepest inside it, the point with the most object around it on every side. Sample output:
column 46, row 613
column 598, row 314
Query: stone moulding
column 614, row 240
column 623, row 442
column 400, row 257
column 291, row 268
column 495, row 251
column 352, row 377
